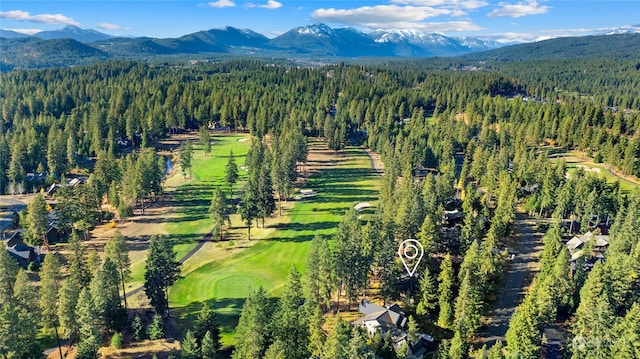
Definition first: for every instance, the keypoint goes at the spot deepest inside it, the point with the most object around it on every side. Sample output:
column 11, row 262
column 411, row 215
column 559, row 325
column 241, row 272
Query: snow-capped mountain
column 320, row 39
column 317, row 29
column 424, row 44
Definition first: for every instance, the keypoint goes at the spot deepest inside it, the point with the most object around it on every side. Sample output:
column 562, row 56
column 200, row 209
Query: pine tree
column 384, row 260
column 358, row 348
column 209, row 346
column 496, row 351
column 104, row 290
column 67, row 312
column 337, row 344
column 469, row 304
column 429, row 298
column 524, row 333
column 413, row 330
column 459, row 345
column 231, row 173
column 317, row 336
column 37, row 225
column 155, row 330
column 627, row 332
column 161, row 271
column 138, row 328
column 90, row 336
column 50, row 281
column 189, row 347
column 266, row 201
column 78, row 268
column 253, row 327
column 185, row 158
column 8, row 272
column 94, row 263
column 318, row 277
column 19, row 320
column 219, row 212
column 290, row 324
column 276, row 350
column 351, row 263
column 249, row 206
column 116, row 251
column 207, row 322
column 205, row 140
column 445, row 288
column 593, row 325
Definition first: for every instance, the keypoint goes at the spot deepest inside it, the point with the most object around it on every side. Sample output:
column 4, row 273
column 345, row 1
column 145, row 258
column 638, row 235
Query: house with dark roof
column 18, row 250
column 386, row 319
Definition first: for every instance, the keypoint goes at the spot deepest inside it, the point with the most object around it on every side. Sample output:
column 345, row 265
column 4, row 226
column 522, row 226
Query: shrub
column 138, row 328
column 598, row 158
column 116, row 341
column 155, row 329
column 34, row 266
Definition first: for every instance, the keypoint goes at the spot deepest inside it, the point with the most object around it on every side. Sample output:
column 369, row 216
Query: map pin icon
column 411, row 253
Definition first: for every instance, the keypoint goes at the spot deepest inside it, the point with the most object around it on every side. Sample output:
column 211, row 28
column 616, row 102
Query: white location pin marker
column 410, row 252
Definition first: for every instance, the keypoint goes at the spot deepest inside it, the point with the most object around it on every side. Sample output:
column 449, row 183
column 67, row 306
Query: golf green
column 224, row 283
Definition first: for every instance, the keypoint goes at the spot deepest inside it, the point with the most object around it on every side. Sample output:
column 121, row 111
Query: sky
column 509, row 20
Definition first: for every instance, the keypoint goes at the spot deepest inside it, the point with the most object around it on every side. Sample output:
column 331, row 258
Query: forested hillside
column 487, row 137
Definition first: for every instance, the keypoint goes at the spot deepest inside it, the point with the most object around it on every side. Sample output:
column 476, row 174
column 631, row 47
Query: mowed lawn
column 575, row 159
column 222, row 280
column 192, row 199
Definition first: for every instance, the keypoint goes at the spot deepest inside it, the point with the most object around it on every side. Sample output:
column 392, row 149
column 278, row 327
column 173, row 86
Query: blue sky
column 524, row 20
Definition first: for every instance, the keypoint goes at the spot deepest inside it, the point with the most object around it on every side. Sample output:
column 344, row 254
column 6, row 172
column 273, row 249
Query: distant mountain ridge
column 74, row 33
column 316, row 41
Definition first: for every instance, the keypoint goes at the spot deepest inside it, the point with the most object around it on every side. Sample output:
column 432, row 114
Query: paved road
column 515, row 287
column 9, row 204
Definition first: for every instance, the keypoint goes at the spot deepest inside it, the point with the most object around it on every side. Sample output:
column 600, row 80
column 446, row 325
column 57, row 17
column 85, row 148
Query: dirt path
column 376, row 162
column 515, row 286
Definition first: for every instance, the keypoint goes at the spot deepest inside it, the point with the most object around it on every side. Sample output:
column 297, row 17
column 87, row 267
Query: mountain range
column 74, row 46
column 312, row 40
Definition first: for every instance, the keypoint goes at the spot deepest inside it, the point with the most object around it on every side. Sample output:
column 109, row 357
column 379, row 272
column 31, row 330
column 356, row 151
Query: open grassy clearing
column 191, row 199
column 221, row 273
column 575, row 160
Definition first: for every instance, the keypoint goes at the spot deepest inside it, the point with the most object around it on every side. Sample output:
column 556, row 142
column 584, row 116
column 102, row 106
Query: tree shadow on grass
column 227, row 309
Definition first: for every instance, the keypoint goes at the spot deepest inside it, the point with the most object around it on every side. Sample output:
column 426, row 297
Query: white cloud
column 221, row 3
column 26, row 31
column 406, row 14
column 378, row 14
column 520, row 9
column 20, row 15
column 110, row 26
column 271, row 5
column 456, row 4
column 445, row 26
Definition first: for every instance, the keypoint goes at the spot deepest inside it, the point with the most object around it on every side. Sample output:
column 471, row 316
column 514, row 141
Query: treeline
column 52, row 119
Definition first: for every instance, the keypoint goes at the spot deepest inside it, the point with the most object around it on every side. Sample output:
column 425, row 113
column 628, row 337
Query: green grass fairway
column 192, row 199
column 224, row 283
column 575, row 159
